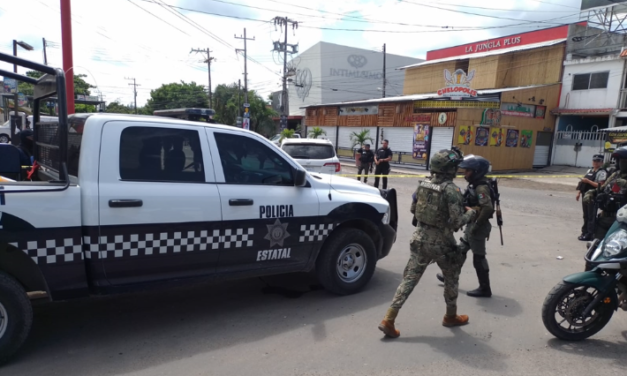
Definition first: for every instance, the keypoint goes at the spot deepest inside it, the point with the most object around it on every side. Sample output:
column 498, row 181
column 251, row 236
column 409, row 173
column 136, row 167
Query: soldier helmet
column 477, row 164
column 620, row 153
column 446, row 161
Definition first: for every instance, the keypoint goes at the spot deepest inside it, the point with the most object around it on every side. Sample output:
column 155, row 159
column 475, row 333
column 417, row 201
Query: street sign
column 246, row 105
column 246, row 115
column 246, row 123
column 238, row 121
column 10, row 85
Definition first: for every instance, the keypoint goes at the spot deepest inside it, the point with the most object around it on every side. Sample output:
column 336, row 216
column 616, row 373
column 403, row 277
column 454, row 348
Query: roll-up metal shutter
column 401, row 138
column 331, row 133
column 441, row 138
column 345, row 136
column 543, row 149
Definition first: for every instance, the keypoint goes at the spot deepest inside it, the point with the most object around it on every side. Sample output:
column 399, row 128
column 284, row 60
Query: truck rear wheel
column 16, row 316
column 347, row 262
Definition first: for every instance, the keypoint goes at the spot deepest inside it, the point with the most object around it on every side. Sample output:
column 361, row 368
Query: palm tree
column 286, row 133
column 360, row 138
column 316, row 132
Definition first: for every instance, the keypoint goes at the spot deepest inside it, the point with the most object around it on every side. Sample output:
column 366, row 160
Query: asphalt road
column 246, row 328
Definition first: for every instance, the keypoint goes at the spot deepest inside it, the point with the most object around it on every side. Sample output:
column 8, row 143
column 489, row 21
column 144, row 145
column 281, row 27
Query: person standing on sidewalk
column 382, row 159
column 365, row 161
column 594, row 178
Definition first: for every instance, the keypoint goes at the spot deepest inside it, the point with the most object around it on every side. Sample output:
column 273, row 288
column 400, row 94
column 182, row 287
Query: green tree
column 316, row 132
column 286, row 133
column 360, row 138
column 81, row 87
column 118, row 108
column 177, row 95
column 228, row 101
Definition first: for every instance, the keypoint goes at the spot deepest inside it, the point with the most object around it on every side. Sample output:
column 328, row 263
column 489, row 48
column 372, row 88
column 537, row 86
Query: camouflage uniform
column 478, row 232
column 435, row 242
column 615, row 185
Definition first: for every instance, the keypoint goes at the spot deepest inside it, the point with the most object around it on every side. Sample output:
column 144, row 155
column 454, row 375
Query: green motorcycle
column 583, row 303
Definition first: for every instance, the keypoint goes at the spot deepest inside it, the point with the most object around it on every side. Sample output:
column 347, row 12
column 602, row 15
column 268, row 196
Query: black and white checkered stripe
column 160, row 243
column 310, row 233
column 52, row 251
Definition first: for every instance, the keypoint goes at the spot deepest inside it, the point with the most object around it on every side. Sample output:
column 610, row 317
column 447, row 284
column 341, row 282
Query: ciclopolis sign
column 457, row 84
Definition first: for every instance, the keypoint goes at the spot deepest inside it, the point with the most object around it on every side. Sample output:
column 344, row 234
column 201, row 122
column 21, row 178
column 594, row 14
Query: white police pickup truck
column 124, row 202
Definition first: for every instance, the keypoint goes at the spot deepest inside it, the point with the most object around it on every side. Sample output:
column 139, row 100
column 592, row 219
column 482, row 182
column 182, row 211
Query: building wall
column 426, row 79
column 592, row 98
column 511, row 158
column 540, row 66
column 308, row 73
column 339, row 73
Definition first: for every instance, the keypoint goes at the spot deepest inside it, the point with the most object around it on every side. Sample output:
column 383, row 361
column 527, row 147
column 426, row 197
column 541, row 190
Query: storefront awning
column 615, row 129
column 582, row 111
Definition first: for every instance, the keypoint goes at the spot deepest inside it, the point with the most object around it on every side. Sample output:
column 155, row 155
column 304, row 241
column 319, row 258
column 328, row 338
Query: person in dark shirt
column 366, row 158
column 382, row 159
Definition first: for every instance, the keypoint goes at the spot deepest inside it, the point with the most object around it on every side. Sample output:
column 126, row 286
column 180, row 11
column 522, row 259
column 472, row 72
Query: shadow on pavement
column 126, row 333
column 594, row 348
column 464, row 348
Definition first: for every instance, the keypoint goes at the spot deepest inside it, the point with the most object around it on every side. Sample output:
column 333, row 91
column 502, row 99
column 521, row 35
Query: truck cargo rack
column 50, row 139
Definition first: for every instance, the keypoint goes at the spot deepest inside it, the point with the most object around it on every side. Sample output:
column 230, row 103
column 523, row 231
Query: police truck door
column 159, row 206
column 267, row 214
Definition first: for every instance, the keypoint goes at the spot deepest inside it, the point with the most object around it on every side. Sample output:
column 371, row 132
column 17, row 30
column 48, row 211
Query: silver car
column 313, row 154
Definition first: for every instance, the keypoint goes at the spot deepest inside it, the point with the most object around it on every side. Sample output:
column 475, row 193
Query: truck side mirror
column 300, row 179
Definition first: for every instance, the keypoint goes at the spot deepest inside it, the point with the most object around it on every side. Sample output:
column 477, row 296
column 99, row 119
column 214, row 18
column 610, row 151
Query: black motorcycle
column 583, row 303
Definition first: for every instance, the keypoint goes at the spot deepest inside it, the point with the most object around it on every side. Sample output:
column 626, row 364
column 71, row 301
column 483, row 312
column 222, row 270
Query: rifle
column 497, row 199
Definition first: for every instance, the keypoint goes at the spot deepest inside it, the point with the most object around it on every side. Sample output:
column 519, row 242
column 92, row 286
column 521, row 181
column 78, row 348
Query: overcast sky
column 151, row 41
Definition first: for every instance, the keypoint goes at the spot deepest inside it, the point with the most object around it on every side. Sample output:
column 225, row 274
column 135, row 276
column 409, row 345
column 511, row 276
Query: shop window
column 590, row 81
column 463, row 65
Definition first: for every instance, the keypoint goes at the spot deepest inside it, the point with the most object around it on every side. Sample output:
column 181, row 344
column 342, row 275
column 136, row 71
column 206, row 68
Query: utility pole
column 246, row 120
column 282, row 47
column 208, row 60
column 245, row 50
column 45, row 54
column 384, row 70
column 135, row 85
column 68, row 62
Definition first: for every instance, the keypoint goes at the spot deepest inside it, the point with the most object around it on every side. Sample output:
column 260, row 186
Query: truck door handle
column 121, row 203
column 240, row 202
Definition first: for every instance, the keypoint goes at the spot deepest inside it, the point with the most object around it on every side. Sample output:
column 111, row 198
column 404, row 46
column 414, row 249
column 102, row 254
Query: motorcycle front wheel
column 562, row 312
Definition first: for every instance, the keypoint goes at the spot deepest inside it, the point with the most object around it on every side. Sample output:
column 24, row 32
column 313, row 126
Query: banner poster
column 465, row 135
column 497, row 136
column 512, row 138
column 482, row 136
column 421, row 140
column 526, row 139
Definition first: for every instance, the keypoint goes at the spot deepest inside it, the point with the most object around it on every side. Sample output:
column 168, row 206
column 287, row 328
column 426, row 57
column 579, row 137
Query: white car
column 5, row 129
column 275, row 139
column 313, row 154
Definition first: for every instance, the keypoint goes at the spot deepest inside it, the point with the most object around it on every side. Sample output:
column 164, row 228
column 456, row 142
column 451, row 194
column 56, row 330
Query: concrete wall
column 336, row 73
column 592, row 98
column 566, row 155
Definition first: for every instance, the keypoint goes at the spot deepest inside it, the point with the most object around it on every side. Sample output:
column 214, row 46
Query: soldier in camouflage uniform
column 612, row 195
column 439, row 212
column 478, row 196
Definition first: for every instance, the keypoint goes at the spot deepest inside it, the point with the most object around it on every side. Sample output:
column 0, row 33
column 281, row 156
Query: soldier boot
column 483, row 274
column 452, row 319
column 387, row 324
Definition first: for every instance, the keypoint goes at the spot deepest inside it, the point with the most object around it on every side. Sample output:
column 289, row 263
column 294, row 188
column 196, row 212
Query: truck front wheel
column 346, row 262
column 16, row 316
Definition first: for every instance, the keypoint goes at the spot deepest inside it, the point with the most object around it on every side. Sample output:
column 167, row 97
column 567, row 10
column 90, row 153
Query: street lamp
column 27, row 47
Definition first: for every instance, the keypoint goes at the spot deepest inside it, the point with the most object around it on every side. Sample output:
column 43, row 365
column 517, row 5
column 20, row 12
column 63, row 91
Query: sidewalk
column 535, row 175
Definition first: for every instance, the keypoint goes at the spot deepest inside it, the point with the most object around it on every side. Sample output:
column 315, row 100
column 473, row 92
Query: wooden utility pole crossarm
column 135, row 85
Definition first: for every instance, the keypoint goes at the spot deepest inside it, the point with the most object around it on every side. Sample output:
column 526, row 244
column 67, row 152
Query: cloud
column 117, row 39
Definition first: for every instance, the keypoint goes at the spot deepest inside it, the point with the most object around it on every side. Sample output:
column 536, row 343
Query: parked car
column 5, row 129
column 313, row 154
column 275, row 139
